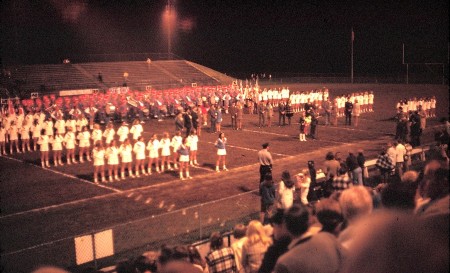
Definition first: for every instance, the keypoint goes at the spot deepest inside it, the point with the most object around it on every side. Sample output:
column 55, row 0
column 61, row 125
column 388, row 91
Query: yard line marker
column 66, row 175
column 249, row 149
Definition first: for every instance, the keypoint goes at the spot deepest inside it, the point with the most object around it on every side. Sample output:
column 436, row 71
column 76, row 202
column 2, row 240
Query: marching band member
column 109, row 134
column 192, row 142
column 69, row 143
column 48, row 126
column 176, row 142
column 84, row 143
column 98, row 153
column 123, row 132
column 126, row 156
column 97, row 134
column 25, row 136
column 136, row 129
column 57, row 142
column 165, row 151
column 153, row 147
column 112, row 154
column 13, row 137
column 139, row 150
column 43, row 147
column 60, row 125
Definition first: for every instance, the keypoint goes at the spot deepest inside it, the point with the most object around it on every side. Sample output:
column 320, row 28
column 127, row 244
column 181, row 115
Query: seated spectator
column 267, row 191
column 220, row 259
column 318, row 253
column 254, row 247
column 239, row 233
column 176, row 260
column 281, row 241
column 125, row 266
column 147, row 262
column 329, row 214
column 397, row 242
column 356, row 203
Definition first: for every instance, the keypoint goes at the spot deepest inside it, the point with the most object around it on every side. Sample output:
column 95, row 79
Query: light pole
column 168, row 18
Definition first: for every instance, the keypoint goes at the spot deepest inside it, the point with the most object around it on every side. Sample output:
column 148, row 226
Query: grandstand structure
column 138, row 75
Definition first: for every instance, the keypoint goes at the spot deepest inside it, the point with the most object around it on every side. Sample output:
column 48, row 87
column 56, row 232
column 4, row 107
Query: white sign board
column 84, row 249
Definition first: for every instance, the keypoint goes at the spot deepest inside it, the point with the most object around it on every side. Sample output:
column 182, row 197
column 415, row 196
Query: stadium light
column 169, row 22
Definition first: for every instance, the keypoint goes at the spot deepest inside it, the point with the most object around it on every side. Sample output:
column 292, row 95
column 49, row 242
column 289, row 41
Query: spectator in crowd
column 147, row 262
column 285, row 191
column 318, row 253
column 267, row 192
column 125, row 266
column 356, row 203
column 341, row 181
column 269, row 113
column 354, row 169
column 179, row 122
column 233, row 114
column 281, row 113
column 329, row 214
column 239, row 232
column 327, row 107
column 213, row 118
column 220, row 259
column 384, row 165
column 176, row 260
column 261, row 114
column 303, row 181
column 399, row 196
column 254, row 247
column 400, row 153
column 281, row 240
column 265, row 161
column 397, row 242
column 361, row 159
column 330, row 166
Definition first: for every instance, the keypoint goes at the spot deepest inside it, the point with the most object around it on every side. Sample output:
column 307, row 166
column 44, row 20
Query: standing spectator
column 267, row 191
column 400, row 151
column 285, row 191
column 314, row 124
column 220, row 144
column 281, row 113
column 220, row 259
column 415, row 129
column 302, row 127
column 354, row 169
column 384, row 165
column 196, row 121
column 362, row 164
column 348, row 109
column 303, row 181
column 265, row 161
column 233, row 114
column 341, row 181
column 255, row 247
column 188, row 124
column 218, row 118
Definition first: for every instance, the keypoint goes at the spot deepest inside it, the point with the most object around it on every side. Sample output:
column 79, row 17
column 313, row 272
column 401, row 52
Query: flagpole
column 351, row 72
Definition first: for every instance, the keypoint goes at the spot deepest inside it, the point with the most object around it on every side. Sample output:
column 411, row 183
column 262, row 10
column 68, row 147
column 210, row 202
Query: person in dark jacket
column 281, row 240
column 354, row 169
column 267, row 191
column 281, row 113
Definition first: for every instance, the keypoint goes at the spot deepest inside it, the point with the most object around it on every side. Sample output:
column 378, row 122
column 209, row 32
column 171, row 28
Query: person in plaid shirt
column 385, row 165
column 342, row 180
column 220, row 259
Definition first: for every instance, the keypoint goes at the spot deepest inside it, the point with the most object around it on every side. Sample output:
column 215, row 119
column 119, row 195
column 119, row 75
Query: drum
column 146, row 112
column 110, row 109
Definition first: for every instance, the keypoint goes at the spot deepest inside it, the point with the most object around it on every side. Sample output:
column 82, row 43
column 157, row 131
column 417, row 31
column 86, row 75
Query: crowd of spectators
column 401, row 226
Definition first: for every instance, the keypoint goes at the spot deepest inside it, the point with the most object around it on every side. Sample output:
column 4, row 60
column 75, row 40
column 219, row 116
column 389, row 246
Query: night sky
column 233, row 36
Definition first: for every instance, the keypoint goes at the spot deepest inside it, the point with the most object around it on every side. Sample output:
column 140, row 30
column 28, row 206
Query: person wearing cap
column 265, row 161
